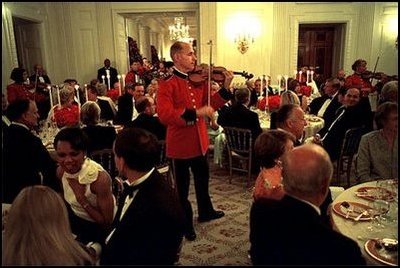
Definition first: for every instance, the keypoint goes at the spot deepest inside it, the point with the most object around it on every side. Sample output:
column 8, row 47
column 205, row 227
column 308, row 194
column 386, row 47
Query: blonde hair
column 38, row 232
column 289, row 97
column 90, row 113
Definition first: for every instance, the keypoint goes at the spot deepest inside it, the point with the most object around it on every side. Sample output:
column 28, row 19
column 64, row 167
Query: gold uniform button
column 191, row 94
column 194, row 106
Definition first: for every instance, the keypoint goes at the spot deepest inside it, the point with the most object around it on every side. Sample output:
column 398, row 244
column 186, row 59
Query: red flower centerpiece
column 273, row 103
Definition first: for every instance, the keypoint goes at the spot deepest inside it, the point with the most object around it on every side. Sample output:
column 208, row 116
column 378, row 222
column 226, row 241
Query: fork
column 365, row 212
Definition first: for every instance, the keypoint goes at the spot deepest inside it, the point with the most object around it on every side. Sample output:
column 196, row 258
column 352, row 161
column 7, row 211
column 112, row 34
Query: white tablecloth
column 358, row 230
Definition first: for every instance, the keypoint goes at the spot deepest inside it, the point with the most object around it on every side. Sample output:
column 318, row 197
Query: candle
column 286, row 82
column 108, row 79
column 86, row 93
column 308, row 73
column 58, row 96
column 266, row 97
column 102, row 77
column 123, row 81
column 79, row 103
column 279, row 84
column 300, row 78
column 119, row 81
column 295, row 74
column 51, row 96
column 312, row 76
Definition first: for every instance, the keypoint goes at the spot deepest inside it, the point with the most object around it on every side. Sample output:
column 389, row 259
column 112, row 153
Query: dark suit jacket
column 149, row 123
column 240, row 116
column 24, row 156
column 290, row 232
column 330, row 112
column 100, row 137
column 107, row 112
column 125, row 109
column 113, row 76
column 151, row 230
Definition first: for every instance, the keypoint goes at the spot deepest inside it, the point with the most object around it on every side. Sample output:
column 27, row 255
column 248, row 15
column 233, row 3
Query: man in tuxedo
column 295, row 235
column 327, row 105
column 146, row 119
column 25, row 159
column 126, row 103
column 107, row 69
column 290, row 117
column 149, row 224
column 107, row 106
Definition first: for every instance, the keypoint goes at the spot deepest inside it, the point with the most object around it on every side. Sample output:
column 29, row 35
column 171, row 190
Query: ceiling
column 159, row 21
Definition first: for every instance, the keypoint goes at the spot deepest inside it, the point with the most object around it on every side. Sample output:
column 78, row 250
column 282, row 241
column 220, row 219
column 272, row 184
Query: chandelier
column 178, row 31
column 243, row 42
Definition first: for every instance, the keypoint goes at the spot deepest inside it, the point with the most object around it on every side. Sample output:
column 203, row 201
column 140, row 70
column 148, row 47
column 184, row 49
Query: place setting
column 354, row 211
column 382, row 190
column 384, row 250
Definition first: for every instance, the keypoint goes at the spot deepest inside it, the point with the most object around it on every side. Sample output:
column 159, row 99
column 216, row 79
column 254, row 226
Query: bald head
column 307, row 171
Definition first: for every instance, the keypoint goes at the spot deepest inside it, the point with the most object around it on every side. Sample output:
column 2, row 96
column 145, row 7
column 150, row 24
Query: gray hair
column 90, row 113
column 389, row 91
column 305, row 170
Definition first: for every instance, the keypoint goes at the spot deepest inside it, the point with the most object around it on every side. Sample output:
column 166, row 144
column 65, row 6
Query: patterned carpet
column 224, row 241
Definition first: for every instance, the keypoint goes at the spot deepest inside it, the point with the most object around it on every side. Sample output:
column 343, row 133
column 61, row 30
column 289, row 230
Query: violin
column 201, row 73
column 377, row 76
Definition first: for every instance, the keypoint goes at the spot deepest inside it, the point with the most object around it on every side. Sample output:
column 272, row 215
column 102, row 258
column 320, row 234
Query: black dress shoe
column 214, row 215
column 191, row 235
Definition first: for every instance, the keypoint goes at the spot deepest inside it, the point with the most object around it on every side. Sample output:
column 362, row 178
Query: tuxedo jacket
column 330, row 112
column 113, row 76
column 290, row 232
column 151, row 230
column 125, row 109
column 241, row 117
column 24, row 159
column 107, row 113
column 100, row 137
column 149, row 123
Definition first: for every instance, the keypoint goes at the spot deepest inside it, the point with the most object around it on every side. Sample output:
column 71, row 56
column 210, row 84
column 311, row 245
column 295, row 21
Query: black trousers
column 200, row 169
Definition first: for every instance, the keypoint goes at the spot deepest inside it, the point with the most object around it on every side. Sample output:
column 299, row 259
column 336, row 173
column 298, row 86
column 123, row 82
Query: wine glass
column 381, row 207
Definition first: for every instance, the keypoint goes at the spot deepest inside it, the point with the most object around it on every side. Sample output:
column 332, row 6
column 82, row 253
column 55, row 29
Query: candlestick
column 58, row 96
column 102, row 77
column 279, row 84
column 312, row 76
column 119, row 81
column 295, row 74
column 308, row 73
column 300, row 78
column 86, row 93
column 123, row 81
column 108, row 78
column 286, row 82
column 51, row 97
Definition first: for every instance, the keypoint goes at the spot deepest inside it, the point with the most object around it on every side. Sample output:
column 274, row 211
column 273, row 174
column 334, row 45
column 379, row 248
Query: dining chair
column 105, row 157
column 240, row 147
column 164, row 166
column 348, row 150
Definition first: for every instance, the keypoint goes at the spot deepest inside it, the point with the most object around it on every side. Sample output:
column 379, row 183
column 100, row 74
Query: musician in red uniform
column 182, row 107
column 19, row 90
column 358, row 79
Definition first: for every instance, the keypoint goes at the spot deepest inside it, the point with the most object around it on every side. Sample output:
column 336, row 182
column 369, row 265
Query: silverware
column 365, row 212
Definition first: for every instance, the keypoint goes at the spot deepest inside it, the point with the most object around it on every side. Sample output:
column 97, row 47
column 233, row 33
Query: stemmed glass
column 381, row 207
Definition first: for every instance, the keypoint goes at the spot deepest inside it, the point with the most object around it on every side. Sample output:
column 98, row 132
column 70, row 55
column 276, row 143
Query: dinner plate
column 358, row 208
column 380, row 253
column 368, row 193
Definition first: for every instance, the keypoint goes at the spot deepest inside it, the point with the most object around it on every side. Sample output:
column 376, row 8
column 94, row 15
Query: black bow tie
column 129, row 189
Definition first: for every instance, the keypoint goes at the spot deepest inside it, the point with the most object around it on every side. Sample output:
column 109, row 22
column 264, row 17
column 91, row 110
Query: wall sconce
column 243, row 42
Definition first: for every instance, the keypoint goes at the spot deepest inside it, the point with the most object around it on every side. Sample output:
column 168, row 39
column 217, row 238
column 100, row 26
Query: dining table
column 354, row 213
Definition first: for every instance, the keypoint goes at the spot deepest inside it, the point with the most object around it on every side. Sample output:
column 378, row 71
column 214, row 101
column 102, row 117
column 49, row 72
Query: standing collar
column 180, row 74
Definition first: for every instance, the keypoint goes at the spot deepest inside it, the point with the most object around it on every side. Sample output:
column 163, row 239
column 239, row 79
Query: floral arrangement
column 67, row 116
column 273, row 103
column 113, row 94
column 306, row 90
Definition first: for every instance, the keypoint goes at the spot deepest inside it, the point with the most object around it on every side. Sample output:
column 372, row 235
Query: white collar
column 20, row 124
column 141, row 179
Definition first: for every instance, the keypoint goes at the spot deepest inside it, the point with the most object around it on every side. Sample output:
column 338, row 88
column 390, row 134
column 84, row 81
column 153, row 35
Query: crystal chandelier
column 178, row 31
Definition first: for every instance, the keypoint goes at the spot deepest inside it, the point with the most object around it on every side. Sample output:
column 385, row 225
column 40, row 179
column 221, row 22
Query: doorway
column 321, row 46
column 28, row 43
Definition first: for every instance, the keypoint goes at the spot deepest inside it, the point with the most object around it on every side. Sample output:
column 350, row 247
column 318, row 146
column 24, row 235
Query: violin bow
column 209, row 74
column 376, row 65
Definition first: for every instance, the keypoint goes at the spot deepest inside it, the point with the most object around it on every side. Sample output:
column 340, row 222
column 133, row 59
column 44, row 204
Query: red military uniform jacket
column 177, row 99
column 18, row 92
column 356, row 81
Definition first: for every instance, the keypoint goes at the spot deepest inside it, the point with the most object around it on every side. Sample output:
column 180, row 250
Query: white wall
column 79, row 36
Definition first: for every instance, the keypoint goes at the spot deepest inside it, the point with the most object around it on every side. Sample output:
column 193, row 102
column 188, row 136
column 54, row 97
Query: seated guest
column 26, row 160
column 254, row 92
column 126, row 103
column 68, row 113
column 351, row 115
column 327, row 105
column 146, row 119
column 107, row 106
column 114, row 92
column 289, row 97
column 377, row 153
column 295, row 87
column 389, row 92
column 290, row 231
column 38, row 232
column 100, row 137
column 86, row 186
column 239, row 115
column 290, row 117
column 269, row 148
column 149, row 224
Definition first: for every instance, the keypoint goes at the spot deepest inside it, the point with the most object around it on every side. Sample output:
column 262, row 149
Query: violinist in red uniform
column 19, row 90
column 182, row 106
column 358, row 79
